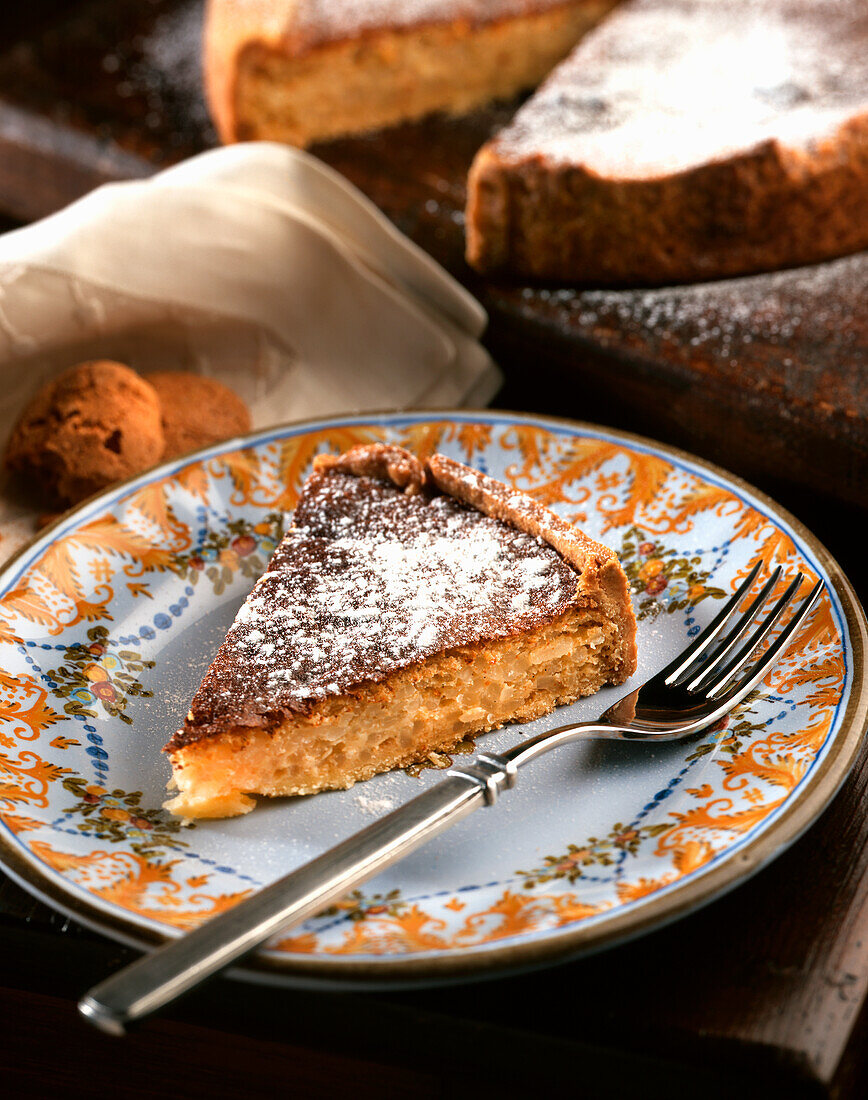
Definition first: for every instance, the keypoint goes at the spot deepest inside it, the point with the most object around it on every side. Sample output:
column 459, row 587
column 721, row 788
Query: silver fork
column 703, row 684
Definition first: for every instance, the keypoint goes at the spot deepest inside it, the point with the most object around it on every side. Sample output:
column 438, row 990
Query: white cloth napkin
column 255, row 264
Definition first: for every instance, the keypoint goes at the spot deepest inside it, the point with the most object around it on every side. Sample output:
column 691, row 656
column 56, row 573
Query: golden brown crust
column 376, row 460
column 784, row 207
column 512, row 506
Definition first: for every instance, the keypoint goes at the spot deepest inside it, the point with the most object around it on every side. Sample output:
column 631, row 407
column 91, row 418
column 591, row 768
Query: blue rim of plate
column 726, row 869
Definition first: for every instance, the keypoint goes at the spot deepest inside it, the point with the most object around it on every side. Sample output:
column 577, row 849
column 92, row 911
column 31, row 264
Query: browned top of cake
column 664, row 85
column 373, row 577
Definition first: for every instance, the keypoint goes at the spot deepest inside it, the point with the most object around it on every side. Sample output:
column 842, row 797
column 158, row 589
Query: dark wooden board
column 759, row 994
column 766, row 375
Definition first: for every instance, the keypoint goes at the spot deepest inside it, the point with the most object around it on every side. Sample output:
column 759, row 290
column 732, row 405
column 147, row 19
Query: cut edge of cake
column 273, row 74
column 430, row 706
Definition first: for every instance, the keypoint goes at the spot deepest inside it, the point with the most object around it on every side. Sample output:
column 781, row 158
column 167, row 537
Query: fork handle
column 160, row 977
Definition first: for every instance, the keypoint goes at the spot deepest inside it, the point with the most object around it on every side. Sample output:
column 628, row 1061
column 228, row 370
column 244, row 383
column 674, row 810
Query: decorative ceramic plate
column 108, row 621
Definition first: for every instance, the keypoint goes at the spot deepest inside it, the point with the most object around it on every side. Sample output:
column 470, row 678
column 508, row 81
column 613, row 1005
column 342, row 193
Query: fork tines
column 716, row 658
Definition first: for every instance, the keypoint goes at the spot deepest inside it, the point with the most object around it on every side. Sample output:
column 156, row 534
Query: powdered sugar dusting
column 664, row 85
column 814, row 304
column 376, row 806
column 370, row 580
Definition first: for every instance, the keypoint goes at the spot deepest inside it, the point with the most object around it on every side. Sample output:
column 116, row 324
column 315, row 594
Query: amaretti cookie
column 196, row 411
column 96, row 423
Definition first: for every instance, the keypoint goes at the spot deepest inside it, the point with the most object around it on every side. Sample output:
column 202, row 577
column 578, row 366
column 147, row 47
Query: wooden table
column 762, row 993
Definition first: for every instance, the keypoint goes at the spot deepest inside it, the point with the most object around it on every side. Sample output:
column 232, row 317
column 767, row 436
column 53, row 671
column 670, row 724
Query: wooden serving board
column 764, row 375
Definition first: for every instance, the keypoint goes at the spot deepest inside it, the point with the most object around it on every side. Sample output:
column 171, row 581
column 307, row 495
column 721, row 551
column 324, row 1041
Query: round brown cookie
column 196, row 410
column 95, row 424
